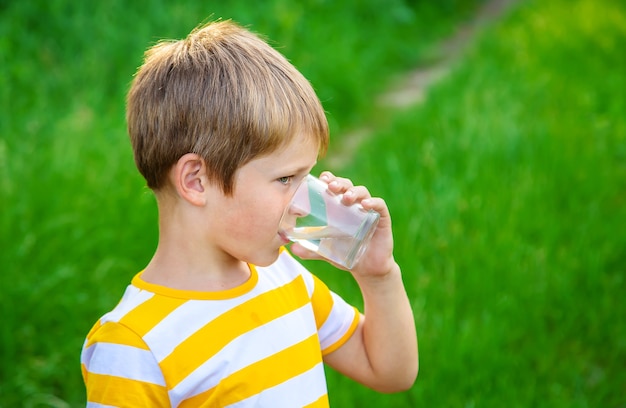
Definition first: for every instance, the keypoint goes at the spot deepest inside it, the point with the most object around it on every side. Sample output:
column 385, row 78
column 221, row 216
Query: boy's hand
column 382, row 352
column 377, row 260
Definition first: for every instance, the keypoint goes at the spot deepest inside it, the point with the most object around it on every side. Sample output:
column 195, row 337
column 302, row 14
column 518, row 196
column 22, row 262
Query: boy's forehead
column 299, row 153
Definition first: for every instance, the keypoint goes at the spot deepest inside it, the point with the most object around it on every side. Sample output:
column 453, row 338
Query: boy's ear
column 190, row 178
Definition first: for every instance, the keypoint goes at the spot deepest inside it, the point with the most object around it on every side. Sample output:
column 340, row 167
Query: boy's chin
column 267, row 260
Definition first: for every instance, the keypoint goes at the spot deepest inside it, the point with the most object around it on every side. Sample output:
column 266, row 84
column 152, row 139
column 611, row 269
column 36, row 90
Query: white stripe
column 85, row 354
column 253, row 346
column 132, row 298
column 284, row 270
column 288, row 265
column 96, row 405
column 298, row 391
column 123, row 361
column 338, row 322
column 308, row 282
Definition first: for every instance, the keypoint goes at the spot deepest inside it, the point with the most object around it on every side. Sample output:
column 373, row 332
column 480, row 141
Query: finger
column 355, row 195
column 302, row 252
column 327, row 176
column 377, row 204
column 340, row 185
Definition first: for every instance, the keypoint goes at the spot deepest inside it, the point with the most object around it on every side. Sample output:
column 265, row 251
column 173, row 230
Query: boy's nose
column 298, row 211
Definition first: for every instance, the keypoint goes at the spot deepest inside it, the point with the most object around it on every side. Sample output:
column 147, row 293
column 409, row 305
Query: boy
column 223, row 128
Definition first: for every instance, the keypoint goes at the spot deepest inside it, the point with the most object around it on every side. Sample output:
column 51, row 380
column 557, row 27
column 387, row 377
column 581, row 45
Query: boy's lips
column 283, row 237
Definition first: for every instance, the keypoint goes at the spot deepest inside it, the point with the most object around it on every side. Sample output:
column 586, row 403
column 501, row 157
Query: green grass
column 507, row 187
column 508, row 190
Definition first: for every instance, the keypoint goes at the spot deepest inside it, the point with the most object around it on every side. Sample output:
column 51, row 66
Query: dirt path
column 410, row 89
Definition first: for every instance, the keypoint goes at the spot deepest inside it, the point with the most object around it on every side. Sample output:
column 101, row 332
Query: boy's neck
column 177, row 270
column 184, row 260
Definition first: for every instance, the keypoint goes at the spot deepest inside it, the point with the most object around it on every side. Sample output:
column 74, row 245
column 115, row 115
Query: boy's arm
column 382, row 353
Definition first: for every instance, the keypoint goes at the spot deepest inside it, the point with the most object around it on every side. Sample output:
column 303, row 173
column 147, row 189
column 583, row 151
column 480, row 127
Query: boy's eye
column 285, row 180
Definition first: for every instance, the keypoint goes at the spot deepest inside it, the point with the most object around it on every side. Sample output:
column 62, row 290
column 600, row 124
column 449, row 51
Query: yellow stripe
column 322, row 402
column 346, row 336
column 322, row 301
column 112, row 332
column 122, row 392
column 210, row 339
column 148, row 314
column 262, row 375
column 94, row 328
column 83, row 370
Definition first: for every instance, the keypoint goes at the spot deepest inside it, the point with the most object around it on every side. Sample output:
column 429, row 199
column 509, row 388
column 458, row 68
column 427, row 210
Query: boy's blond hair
column 222, row 93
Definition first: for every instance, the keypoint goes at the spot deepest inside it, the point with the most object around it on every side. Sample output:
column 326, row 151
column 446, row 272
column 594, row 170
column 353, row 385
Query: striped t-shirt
column 259, row 344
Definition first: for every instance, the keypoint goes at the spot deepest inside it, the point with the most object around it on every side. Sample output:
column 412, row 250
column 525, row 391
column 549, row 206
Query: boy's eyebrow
column 295, row 170
column 305, row 169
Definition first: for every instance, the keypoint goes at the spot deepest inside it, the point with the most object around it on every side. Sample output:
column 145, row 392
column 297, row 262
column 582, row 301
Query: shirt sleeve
column 119, row 369
column 336, row 320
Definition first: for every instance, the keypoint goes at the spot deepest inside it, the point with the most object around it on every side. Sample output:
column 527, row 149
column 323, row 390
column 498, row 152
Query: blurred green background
column 507, row 185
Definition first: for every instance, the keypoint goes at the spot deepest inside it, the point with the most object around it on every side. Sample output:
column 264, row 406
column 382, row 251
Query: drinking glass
column 316, row 219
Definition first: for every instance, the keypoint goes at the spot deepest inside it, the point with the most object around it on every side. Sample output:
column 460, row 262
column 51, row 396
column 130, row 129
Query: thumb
column 302, row 252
